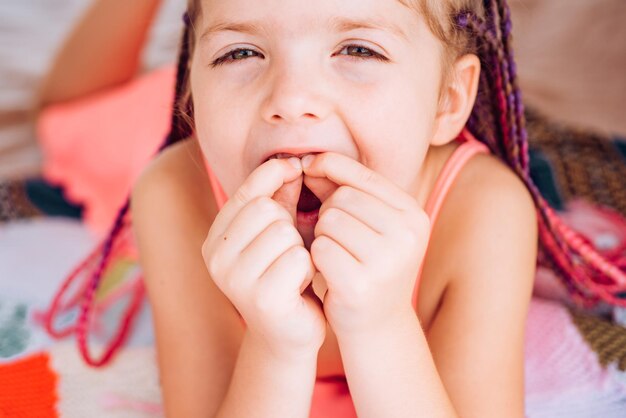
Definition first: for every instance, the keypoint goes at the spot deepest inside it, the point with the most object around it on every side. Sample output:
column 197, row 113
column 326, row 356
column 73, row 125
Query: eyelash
column 224, row 58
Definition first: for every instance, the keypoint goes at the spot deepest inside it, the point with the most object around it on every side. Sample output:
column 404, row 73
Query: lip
column 308, row 219
column 297, row 152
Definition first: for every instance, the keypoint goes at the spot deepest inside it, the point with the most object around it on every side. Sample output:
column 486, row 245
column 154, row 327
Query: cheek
column 393, row 121
column 221, row 129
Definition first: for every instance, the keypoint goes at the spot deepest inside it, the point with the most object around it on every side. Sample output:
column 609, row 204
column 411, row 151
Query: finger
column 356, row 237
column 346, row 171
column 321, row 187
column 255, row 260
column 265, row 180
column 332, row 260
column 284, row 277
column 288, row 195
column 307, row 283
column 368, row 209
column 247, row 225
column 319, row 286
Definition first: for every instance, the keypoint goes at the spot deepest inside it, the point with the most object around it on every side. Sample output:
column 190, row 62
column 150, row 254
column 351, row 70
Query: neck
column 435, row 159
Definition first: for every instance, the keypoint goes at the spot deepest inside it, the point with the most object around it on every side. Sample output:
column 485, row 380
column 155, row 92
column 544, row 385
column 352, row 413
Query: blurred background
column 69, row 156
column 31, row 34
column 571, row 56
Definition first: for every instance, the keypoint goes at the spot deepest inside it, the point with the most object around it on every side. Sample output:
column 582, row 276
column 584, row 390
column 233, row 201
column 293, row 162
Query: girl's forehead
column 305, row 16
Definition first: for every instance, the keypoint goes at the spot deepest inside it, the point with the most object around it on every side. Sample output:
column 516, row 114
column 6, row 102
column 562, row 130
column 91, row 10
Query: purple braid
column 498, row 120
column 181, row 128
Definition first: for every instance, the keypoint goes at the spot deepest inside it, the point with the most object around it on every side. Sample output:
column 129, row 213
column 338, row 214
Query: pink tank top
column 331, row 396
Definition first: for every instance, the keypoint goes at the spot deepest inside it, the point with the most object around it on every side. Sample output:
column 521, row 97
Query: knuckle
column 369, row 176
column 408, row 238
column 263, row 204
column 360, row 291
column 418, row 227
column 212, row 266
column 206, row 250
column 281, row 227
column 228, row 286
column 210, row 260
column 243, row 194
column 421, row 221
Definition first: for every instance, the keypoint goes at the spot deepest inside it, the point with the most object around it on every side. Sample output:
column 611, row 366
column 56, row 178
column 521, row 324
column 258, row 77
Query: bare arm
column 391, row 372
column 103, row 50
column 476, row 339
column 266, row 386
column 209, row 365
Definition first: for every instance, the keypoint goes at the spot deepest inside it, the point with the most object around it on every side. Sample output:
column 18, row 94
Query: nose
column 295, row 95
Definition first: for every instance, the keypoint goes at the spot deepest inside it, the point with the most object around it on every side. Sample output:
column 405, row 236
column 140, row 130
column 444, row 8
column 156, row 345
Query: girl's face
column 356, row 77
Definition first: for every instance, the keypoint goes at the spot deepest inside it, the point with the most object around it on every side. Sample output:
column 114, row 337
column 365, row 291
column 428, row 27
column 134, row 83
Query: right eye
column 238, row 54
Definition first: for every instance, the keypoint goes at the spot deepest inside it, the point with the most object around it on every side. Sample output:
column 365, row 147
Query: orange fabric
column 28, row 388
column 96, row 146
column 331, row 396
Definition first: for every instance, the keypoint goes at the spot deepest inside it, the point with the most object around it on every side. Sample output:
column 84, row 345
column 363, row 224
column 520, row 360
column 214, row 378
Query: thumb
column 319, row 285
column 288, row 196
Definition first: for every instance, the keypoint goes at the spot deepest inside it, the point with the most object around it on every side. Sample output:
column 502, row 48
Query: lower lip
column 308, row 218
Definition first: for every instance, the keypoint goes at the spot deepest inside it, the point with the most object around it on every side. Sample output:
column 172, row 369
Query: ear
column 457, row 100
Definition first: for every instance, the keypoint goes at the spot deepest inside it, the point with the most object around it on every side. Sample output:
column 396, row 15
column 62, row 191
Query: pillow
column 96, row 146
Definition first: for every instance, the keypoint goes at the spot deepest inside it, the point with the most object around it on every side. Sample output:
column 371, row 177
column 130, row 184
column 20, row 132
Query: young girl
column 341, row 221
column 359, row 102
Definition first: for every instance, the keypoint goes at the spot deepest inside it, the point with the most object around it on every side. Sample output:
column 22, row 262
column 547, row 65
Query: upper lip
column 295, row 151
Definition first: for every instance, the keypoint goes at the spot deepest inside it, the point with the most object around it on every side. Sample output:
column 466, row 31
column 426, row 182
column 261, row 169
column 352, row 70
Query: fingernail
column 307, row 160
column 295, row 162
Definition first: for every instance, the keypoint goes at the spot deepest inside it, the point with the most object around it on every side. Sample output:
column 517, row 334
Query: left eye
column 360, row 52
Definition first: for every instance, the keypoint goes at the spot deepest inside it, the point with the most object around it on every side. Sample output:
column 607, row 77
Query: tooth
column 280, row 155
column 287, row 155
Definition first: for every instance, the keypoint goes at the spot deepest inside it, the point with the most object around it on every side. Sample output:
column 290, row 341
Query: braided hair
column 497, row 120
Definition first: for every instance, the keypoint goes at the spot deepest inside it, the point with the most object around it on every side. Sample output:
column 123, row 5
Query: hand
column 370, row 240
column 256, row 257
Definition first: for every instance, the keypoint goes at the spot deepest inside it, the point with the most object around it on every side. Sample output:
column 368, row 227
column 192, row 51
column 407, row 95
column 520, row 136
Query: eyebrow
column 255, row 27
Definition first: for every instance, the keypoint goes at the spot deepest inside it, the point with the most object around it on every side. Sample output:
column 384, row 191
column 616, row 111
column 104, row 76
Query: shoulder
column 492, row 225
column 487, row 227
column 172, row 199
column 174, row 180
column 486, row 241
column 172, row 213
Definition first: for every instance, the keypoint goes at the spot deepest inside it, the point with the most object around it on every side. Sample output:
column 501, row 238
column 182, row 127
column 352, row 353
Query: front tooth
column 287, row 155
column 280, row 155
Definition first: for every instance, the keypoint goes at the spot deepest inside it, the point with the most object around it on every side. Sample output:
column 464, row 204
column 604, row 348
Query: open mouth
column 308, row 208
column 308, row 202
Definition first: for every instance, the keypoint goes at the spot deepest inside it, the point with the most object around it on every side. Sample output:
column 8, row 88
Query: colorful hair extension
column 96, row 263
column 497, row 120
